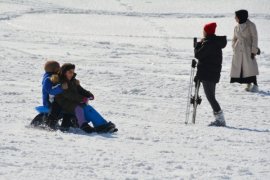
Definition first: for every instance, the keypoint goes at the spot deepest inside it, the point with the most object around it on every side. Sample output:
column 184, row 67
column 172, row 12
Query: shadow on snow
column 248, row 129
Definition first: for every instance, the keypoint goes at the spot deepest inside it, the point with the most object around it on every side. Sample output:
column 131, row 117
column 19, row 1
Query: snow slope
column 135, row 57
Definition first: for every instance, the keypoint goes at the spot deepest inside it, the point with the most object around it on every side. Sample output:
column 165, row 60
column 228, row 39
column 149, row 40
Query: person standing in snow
column 209, row 54
column 245, row 47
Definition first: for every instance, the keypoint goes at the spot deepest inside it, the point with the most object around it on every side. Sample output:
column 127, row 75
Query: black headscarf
column 242, row 15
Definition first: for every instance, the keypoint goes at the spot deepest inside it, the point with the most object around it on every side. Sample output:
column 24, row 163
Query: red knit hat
column 210, row 28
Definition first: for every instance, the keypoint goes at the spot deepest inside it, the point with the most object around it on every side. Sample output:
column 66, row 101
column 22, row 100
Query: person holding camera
column 209, row 55
column 245, row 48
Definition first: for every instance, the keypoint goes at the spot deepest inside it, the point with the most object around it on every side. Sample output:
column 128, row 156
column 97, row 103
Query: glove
column 259, row 51
column 196, row 79
column 202, row 40
column 198, row 45
column 64, row 86
column 85, row 100
column 253, row 56
column 91, row 97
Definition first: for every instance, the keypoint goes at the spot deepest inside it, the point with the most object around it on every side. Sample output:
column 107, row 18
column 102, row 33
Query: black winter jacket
column 73, row 96
column 209, row 54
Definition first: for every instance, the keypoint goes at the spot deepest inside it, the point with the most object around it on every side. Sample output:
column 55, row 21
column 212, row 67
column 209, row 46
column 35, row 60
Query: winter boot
column 220, row 120
column 69, row 120
column 87, row 128
column 106, row 128
column 39, row 120
column 254, row 88
column 248, row 88
column 52, row 122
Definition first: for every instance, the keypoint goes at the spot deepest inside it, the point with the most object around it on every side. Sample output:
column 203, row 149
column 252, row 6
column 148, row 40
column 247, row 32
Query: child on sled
column 51, row 111
column 74, row 99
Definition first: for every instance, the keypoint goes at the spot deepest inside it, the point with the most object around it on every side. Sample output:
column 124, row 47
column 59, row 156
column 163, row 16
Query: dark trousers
column 55, row 111
column 56, row 114
column 210, row 92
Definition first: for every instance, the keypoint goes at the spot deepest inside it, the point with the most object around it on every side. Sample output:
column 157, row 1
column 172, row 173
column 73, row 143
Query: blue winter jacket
column 49, row 89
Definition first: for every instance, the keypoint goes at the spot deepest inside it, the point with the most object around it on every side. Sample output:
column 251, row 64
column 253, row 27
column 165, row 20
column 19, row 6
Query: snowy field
column 135, row 57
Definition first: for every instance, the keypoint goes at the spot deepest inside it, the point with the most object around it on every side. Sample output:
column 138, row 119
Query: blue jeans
column 91, row 115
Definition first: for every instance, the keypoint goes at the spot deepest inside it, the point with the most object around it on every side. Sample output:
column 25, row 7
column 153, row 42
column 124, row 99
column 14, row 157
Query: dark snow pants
column 210, row 92
column 56, row 114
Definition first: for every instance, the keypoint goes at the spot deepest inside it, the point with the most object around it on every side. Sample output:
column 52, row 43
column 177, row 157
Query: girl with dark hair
column 75, row 99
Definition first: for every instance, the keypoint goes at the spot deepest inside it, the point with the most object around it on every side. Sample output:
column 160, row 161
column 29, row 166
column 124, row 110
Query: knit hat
column 64, row 68
column 242, row 15
column 210, row 28
column 51, row 67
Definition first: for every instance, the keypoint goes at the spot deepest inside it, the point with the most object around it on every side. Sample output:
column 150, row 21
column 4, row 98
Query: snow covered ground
column 135, row 57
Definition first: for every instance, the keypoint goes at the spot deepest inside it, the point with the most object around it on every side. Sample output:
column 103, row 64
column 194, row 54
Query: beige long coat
column 245, row 42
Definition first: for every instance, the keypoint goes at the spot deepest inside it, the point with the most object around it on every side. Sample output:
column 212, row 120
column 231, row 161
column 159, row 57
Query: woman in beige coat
column 245, row 47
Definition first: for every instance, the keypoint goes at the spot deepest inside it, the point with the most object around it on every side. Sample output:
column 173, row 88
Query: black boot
column 52, row 122
column 54, row 116
column 39, row 120
column 87, row 128
column 74, row 122
column 68, row 121
column 106, row 128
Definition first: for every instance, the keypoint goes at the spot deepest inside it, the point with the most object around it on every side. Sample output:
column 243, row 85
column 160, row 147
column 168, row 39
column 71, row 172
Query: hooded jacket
column 209, row 55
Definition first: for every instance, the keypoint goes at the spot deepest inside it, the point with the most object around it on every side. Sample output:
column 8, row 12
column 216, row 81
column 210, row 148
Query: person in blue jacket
column 49, row 90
